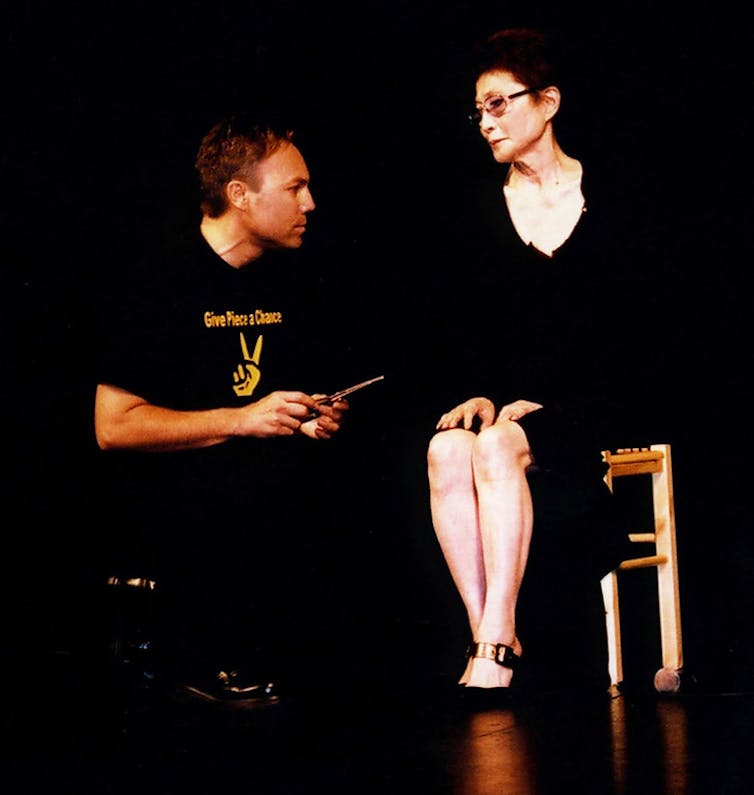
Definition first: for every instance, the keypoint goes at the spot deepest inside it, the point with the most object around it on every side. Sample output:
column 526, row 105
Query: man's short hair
column 232, row 149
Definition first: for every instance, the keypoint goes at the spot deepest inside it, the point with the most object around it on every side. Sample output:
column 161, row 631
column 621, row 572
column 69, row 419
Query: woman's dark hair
column 529, row 54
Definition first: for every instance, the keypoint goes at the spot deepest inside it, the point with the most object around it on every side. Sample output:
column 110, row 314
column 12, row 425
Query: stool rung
column 642, row 538
column 643, row 563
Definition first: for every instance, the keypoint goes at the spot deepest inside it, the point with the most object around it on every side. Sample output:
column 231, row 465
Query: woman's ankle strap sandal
column 499, row 652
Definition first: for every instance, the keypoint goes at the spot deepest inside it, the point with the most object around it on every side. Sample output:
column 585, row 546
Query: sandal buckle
column 500, row 653
column 504, row 655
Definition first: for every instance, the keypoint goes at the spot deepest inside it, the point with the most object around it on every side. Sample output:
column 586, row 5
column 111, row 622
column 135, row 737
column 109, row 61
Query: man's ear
column 550, row 97
column 236, row 191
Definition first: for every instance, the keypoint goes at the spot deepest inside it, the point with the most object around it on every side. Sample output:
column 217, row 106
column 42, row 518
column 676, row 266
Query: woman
column 526, row 478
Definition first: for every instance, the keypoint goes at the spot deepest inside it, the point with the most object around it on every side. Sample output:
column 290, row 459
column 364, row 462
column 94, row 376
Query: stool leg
column 667, row 679
column 609, row 584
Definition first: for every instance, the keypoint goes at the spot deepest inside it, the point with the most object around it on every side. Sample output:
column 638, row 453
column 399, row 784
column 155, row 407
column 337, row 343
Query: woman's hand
column 465, row 413
column 519, row 408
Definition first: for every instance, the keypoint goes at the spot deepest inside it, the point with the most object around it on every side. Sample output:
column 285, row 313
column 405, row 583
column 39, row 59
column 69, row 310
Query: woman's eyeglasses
column 496, row 106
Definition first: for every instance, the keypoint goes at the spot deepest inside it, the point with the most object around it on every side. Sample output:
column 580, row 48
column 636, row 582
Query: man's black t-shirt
column 228, row 530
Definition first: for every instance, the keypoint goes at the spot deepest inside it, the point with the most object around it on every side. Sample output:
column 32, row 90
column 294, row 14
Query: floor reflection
column 612, row 745
column 493, row 755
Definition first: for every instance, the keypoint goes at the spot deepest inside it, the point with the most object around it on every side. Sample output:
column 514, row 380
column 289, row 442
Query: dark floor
column 65, row 730
column 394, row 723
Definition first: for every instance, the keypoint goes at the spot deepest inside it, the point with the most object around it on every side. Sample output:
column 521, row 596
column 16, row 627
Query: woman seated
column 516, row 491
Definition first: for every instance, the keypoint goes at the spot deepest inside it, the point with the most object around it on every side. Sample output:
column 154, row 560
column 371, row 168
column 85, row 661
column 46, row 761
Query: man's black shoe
column 229, row 689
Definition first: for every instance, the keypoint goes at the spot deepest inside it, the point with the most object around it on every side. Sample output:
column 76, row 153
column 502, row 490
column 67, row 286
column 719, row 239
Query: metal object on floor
column 132, row 628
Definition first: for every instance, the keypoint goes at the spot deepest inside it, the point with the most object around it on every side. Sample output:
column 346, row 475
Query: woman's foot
column 491, row 664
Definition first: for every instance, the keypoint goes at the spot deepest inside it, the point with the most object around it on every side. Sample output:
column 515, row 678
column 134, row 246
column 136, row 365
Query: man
column 212, row 441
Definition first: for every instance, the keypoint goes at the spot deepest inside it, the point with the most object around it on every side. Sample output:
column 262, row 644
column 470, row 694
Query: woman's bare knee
column 449, row 445
column 450, row 451
column 501, row 449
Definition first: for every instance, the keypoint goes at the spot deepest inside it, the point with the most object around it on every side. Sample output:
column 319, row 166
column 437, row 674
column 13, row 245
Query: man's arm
column 125, row 421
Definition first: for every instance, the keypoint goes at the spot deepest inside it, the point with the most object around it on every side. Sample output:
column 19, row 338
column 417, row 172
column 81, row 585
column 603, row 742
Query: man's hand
column 124, row 420
column 280, row 413
column 285, row 413
column 328, row 420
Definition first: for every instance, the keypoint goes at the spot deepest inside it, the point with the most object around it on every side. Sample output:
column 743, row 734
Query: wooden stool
column 654, row 461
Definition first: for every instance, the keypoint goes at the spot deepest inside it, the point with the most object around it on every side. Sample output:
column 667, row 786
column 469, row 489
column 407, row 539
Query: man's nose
column 307, row 203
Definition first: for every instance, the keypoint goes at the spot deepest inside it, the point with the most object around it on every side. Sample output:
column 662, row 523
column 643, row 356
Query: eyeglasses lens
column 495, row 106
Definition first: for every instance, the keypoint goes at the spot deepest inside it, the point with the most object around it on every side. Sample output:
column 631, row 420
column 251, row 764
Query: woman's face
column 523, row 121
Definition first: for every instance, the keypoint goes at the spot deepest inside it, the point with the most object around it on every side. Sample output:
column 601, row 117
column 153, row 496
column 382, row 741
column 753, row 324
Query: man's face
column 276, row 212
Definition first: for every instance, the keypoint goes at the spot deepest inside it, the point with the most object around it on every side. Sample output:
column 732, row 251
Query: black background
column 104, row 106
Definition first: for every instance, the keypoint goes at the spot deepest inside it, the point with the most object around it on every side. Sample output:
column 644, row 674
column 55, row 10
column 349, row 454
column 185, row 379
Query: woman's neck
column 543, row 170
column 544, row 199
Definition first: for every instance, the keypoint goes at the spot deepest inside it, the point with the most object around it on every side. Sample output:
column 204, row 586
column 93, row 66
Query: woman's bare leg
column 453, row 505
column 500, row 459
